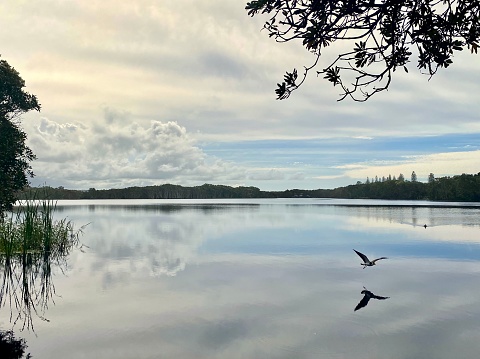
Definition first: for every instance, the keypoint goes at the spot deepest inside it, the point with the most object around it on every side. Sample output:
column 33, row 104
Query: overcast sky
column 149, row 92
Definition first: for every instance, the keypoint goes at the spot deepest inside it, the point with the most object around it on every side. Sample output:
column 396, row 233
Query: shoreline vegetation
column 32, row 243
column 461, row 188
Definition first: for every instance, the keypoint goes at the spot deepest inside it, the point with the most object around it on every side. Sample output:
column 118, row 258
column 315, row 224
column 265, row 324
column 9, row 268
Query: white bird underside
column 367, row 262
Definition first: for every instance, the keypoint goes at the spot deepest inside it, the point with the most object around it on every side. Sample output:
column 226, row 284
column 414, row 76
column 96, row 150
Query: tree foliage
column 461, row 188
column 381, row 34
column 14, row 101
column 165, row 191
column 465, row 187
column 414, row 177
column 15, row 155
column 14, row 163
column 11, row 347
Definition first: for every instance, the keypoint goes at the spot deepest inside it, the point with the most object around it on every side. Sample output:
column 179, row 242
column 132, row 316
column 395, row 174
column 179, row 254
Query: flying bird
column 367, row 295
column 367, row 262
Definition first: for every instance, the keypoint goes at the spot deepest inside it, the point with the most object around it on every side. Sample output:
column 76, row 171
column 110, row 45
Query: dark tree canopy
column 11, row 347
column 14, row 163
column 461, row 188
column 13, row 99
column 381, row 34
column 14, row 153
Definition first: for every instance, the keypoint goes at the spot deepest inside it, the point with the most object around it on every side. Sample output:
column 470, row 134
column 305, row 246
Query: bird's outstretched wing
column 363, row 256
column 379, row 259
column 362, row 303
column 367, row 295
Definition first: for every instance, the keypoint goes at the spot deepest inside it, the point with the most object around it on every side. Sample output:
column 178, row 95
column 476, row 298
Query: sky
column 146, row 92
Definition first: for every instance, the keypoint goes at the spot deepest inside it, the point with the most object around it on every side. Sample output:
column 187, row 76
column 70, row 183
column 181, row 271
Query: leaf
column 474, row 47
column 332, row 75
column 282, row 92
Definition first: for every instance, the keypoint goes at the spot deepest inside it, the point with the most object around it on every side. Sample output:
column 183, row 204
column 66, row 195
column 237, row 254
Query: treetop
column 13, row 99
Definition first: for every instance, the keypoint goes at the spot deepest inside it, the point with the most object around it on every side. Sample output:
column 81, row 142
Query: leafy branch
column 384, row 33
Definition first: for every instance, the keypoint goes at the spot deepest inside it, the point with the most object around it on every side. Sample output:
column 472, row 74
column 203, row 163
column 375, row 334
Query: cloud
column 117, row 152
column 267, row 174
column 328, row 177
column 363, row 137
column 212, row 71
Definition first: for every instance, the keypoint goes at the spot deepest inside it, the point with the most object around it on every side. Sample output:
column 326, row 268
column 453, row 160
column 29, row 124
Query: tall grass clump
column 31, row 241
column 32, row 228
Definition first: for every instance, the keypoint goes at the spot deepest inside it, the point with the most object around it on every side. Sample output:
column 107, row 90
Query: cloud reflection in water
column 262, row 281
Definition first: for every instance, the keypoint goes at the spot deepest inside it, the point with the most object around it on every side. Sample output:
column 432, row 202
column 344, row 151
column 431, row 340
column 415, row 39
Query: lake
column 273, row 278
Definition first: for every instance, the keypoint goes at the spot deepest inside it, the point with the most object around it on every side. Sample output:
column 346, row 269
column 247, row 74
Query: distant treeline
column 464, row 188
column 165, row 191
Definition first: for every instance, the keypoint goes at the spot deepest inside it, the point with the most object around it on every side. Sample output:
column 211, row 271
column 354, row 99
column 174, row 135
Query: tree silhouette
column 414, row 177
column 11, row 347
column 14, row 153
column 14, row 163
column 381, row 35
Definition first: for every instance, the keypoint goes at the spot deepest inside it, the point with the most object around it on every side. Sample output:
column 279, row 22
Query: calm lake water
column 263, row 279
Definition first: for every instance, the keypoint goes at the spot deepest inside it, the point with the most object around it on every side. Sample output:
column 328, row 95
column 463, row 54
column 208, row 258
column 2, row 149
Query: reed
column 32, row 228
column 31, row 241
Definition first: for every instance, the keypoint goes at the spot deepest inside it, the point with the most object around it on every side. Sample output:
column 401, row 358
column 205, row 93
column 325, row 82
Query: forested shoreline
column 463, row 188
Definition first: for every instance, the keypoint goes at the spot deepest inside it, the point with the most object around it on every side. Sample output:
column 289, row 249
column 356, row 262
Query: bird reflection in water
column 367, row 295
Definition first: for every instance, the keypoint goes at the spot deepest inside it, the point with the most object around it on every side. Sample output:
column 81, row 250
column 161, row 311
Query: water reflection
column 267, row 281
column 367, row 295
column 163, row 238
column 27, row 270
column 434, row 216
column 11, row 347
column 27, row 286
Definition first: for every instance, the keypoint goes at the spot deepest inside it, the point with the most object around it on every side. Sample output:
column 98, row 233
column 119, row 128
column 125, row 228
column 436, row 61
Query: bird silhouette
column 367, row 262
column 367, row 295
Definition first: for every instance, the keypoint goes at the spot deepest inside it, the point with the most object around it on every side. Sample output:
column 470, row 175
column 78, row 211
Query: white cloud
column 213, row 69
column 267, row 174
column 363, row 137
column 113, row 153
column 328, row 177
column 209, row 69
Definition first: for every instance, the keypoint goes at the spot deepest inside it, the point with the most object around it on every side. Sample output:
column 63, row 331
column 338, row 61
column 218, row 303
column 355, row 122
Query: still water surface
column 264, row 279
